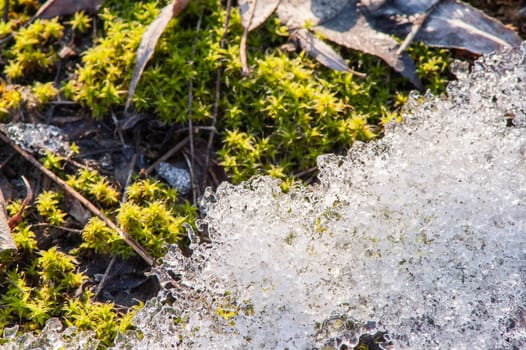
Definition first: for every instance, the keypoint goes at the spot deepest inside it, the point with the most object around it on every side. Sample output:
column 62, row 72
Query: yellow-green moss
column 275, row 121
column 38, row 283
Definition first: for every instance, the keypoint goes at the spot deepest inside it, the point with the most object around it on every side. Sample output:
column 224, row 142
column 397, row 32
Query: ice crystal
column 420, row 234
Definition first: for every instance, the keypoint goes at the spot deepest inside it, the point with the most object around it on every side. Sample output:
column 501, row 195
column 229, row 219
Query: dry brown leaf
column 149, row 41
column 6, row 240
column 54, row 8
column 342, row 22
column 319, row 50
column 451, row 24
column 263, row 9
column 300, row 13
column 366, row 25
column 351, row 29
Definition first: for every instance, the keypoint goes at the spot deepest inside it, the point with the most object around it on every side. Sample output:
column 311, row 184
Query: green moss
column 44, row 92
column 10, row 100
column 47, row 204
column 35, row 48
column 153, row 214
column 275, row 121
column 95, row 187
column 38, row 283
column 80, row 22
column 102, row 85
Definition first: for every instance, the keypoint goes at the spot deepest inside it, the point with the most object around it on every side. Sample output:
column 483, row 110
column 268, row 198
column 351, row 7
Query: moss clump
column 275, row 121
column 40, row 282
column 101, row 86
column 47, row 204
column 291, row 117
column 34, row 49
column 152, row 216
column 10, row 100
column 44, row 92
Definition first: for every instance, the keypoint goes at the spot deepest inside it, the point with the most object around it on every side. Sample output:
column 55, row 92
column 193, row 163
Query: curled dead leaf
column 367, row 26
column 149, row 41
column 261, row 10
column 55, row 8
column 322, row 52
column 351, row 29
column 451, row 24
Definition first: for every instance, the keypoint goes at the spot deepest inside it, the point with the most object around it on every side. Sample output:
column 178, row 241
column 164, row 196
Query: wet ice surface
column 177, row 177
column 40, row 138
column 421, row 234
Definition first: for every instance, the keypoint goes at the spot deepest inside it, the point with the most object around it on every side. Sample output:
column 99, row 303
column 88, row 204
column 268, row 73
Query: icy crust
column 53, row 336
column 421, row 234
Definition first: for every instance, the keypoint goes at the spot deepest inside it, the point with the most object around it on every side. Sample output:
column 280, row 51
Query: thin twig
column 92, row 208
column 306, row 172
column 245, row 71
column 104, row 277
column 65, row 103
column 214, row 177
column 101, row 151
column 417, row 25
column 123, row 200
column 190, row 112
column 167, row 155
column 6, row 11
column 218, row 92
column 197, row 129
column 128, row 178
column 15, row 220
column 5, row 161
column 191, row 166
column 69, row 229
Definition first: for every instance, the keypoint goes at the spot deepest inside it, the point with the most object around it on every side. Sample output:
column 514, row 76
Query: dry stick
column 104, row 277
column 128, row 178
column 306, row 171
column 218, row 92
column 15, row 220
column 114, row 258
column 190, row 112
column 190, row 165
column 6, row 11
column 243, row 45
column 214, row 177
column 66, row 188
column 419, row 22
column 167, row 155
column 3, row 164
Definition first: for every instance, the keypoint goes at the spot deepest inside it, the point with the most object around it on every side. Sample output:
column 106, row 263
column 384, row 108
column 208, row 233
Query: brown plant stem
column 190, row 114
column 92, row 208
column 215, row 114
column 167, row 155
column 18, row 216
column 245, row 71
column 417, row 25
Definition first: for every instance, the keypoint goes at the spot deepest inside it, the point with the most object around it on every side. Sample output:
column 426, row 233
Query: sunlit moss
column 275, row 121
